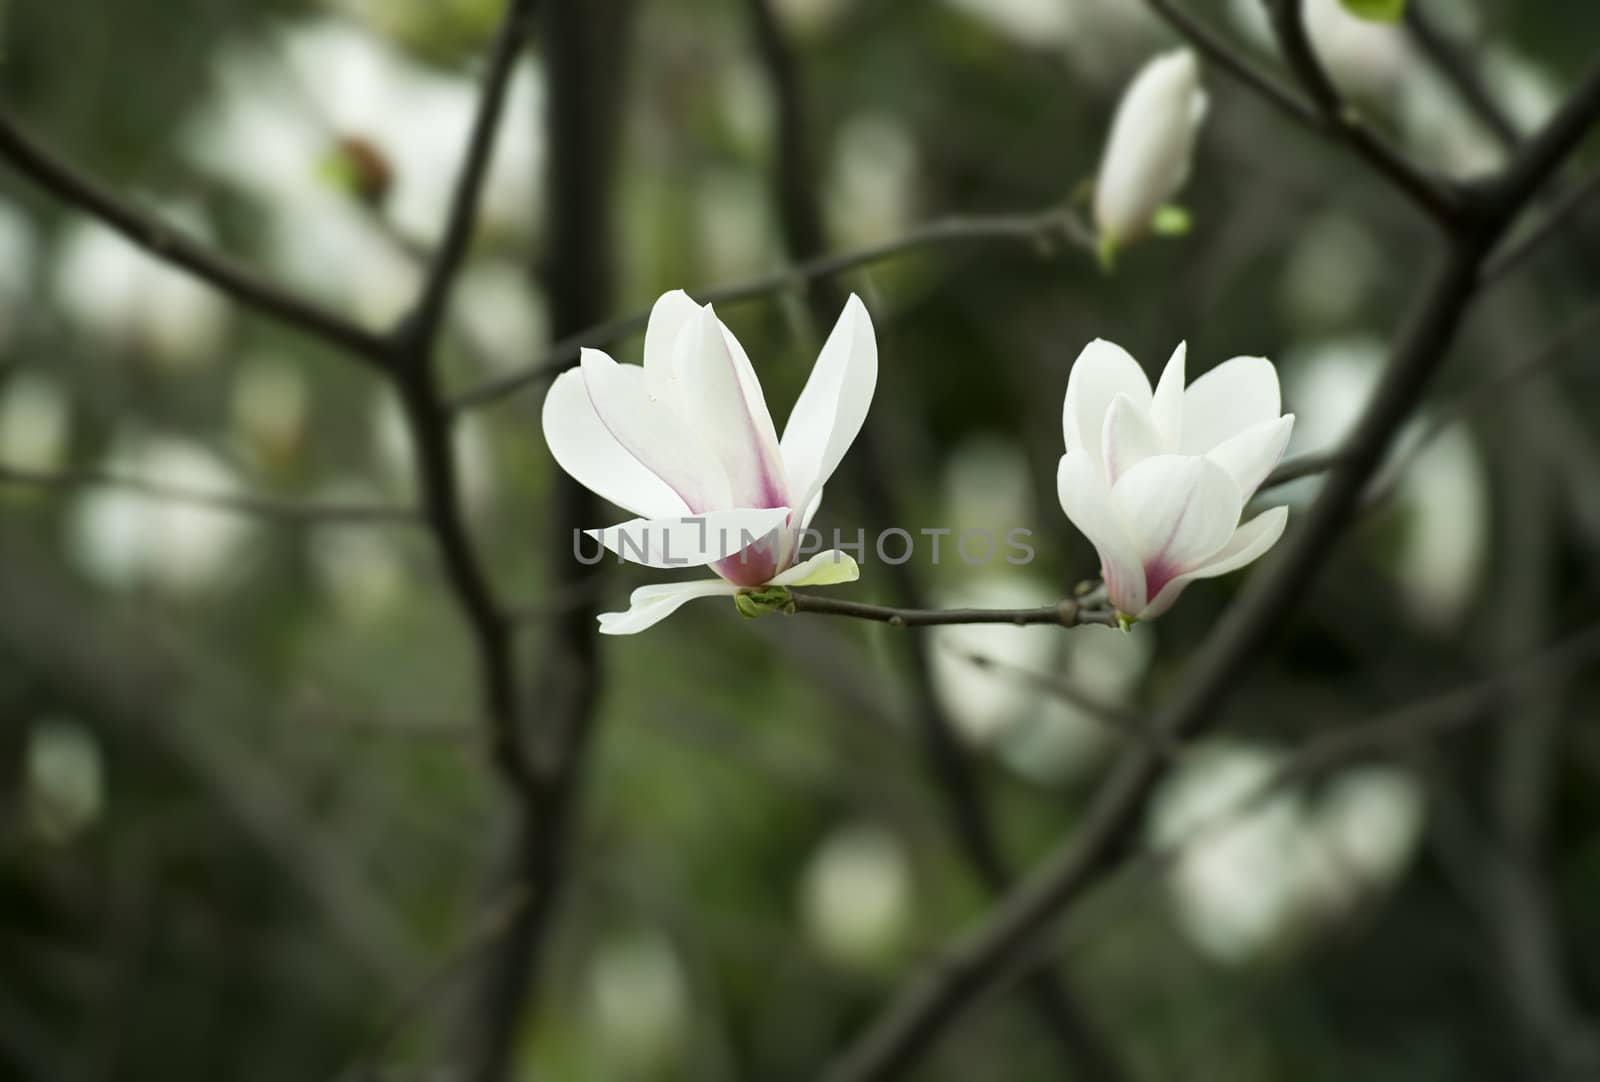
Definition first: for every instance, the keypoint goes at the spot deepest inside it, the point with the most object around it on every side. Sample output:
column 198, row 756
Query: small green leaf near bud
column 1126, row 622
column 1171, row 221
column 1106, row 252
column 760, row 600
column 1378, row 11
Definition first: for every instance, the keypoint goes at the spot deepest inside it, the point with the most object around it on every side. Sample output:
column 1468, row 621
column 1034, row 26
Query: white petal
column 1249, row 542
column 1253, row 453
column 1227, row 400
column 649, row 605
column 1148, row 150
column 1087, row 502
column 722, row 401
column 690, row 540
column 824, row 569
column 1166, row 410
column 1178, row 509
column 591, row 455
column 653, row 433
column 811, row 509
column 1130, row 438
column 672, row 312
column 833, row 405
column 1102, row 371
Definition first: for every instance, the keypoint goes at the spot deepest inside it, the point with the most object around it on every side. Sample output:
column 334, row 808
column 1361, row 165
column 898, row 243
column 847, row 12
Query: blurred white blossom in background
column 1442, row 499
column 268, row 409
column 362, row 569
column 638, row 1002
column 1251, row 876
column 124, row 539
column 1365, row 58
column 63, row 779
column 474, row 454
column 129, row 301
column 501, row 313
column 871, row 187
column 275, row 124
column 856, row 896
column 35, row 422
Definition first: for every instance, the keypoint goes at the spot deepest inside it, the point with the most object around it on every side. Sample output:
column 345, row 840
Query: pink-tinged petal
column 690, row 540
column 1086, row 499
column 1253, row 453
column 649, row 605
column 654, row 434
column 671, row 313
column 1102, row 371
column 1129, row 438
column 1249, row 543
column 1179, row 510
column 1166, row 408
column 1234, row 396
column 585, row 448
column 831, row 408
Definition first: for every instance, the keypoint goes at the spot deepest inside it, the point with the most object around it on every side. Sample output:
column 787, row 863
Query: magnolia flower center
column 759, row 562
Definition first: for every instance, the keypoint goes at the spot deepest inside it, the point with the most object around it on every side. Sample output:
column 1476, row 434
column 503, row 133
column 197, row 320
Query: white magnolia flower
column 686, row 443
column 1157, row 480
column 1148, row 153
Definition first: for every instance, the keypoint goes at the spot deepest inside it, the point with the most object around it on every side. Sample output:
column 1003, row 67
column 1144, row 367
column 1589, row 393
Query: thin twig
column 165, row 243
column 1511, row 255
column 1457, row 67
column 285, row 512
column 1432, row 195
column 411, row 347
column 922, row 1011
column 1054, row 225
column 1217, row 49
column 1065, row 613
column 1084, row 1049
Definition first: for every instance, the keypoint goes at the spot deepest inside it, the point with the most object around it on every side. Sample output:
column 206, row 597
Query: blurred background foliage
column 245, row 811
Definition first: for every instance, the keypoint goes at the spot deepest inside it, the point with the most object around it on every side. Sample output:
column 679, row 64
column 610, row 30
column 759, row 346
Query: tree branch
column 585, row 54
column 285, row 512
column 921, row 1013
column 171, row 246
column 1048, row 227
column 1064, row 613
column 1084, row 1049
column 1438, row 199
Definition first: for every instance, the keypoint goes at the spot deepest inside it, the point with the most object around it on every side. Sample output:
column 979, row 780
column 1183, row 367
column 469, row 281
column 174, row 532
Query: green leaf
column 1171, row 221
column 1378, row 11
column 760, row 600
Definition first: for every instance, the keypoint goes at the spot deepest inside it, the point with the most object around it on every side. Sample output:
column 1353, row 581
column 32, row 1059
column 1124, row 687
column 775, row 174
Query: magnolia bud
column 1148, row 152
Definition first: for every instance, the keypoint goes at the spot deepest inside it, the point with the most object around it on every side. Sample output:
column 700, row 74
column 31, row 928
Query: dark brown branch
column 164, row 243
column 1458, row 68
column 420, row 327
column 1553, row 223
column 431, row 425
column 1434, row 196
column 1228, row 59
column 923, row 1011
column 1052, row 226
column 1546, row 151
column 1065, row 613
column 285, row 512
column 1084, row 1049
column 586, row 57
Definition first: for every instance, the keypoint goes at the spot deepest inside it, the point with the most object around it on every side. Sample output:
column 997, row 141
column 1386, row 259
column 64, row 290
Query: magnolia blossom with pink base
column 1157, row 479
column 686, row 443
